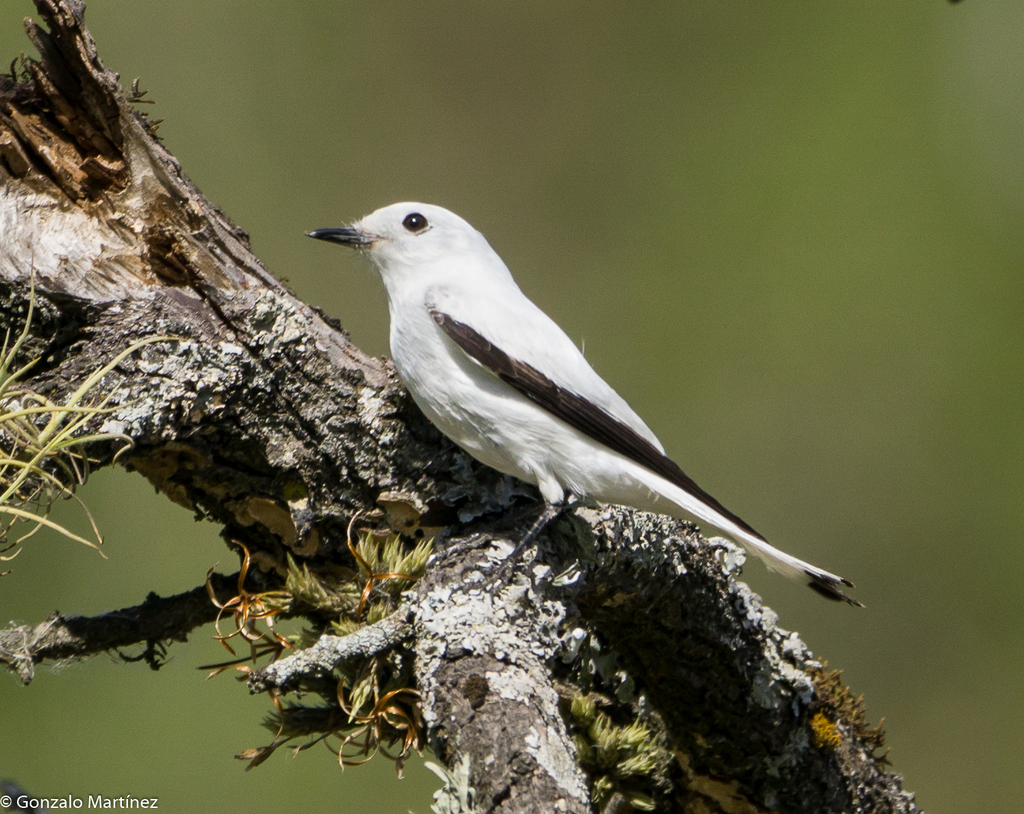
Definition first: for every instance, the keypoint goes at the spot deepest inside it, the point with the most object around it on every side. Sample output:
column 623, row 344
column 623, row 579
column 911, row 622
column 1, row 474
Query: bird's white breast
column 493, row 422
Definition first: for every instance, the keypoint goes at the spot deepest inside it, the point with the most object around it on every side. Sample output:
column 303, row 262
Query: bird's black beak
column 346, row 236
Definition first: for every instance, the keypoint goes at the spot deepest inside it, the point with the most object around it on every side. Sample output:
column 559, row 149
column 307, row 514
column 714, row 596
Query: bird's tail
column 691, row 507
column 827, row 584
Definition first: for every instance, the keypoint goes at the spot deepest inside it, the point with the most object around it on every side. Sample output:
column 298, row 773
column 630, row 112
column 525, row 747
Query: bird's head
column 417, row 241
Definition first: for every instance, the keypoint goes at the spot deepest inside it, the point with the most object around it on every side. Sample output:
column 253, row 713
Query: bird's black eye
column 415, row 222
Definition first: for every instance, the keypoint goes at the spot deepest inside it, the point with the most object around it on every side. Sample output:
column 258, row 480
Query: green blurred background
column 790, row 234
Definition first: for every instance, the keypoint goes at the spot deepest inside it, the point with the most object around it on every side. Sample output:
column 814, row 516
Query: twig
column 156, row 620
column 330, row 651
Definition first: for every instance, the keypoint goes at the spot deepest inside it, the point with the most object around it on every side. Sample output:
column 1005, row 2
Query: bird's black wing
column 576, row 411
column 592, row 421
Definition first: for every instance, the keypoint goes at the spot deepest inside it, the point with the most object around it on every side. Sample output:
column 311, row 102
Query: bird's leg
column 475, row 541
column 548, row 514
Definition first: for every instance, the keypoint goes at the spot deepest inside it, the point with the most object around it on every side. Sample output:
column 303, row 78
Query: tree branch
column 642, row 674
column 483, row 649
column 330, row 651
column 156, row 620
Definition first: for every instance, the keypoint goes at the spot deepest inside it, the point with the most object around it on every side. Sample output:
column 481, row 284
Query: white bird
column 497, row 376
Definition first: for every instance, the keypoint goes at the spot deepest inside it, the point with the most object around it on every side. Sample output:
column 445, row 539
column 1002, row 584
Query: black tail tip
column 831, row 590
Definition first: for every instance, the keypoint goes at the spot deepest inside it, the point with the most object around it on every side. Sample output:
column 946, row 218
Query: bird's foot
column 548, row 514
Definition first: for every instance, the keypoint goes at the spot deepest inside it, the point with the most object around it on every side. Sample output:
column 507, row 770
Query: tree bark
column 262, row 417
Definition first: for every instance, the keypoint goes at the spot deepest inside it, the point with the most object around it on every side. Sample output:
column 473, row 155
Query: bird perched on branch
column 497, row 376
